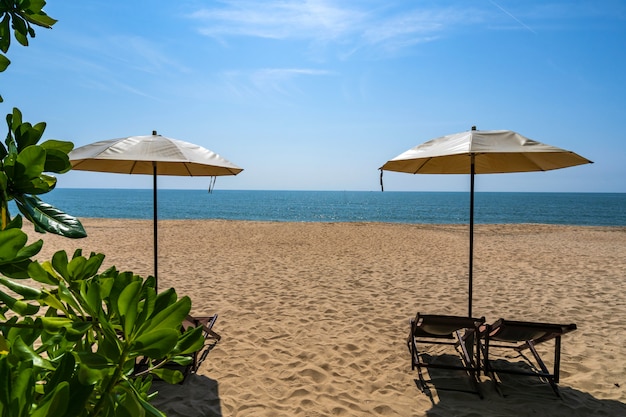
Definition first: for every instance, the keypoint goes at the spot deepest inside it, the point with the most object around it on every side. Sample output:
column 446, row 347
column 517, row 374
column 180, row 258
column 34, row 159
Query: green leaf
column 27, row 135
column 20, row 30
column 105, row 285
column 25, row 291
column 80, row 395
column 170, row 317
column 171, row 376
column 31, row 159
column 25, row 329
column 90, row 292
column 157, row 343
column 11, row 242
column 75, row 268
column 164, row 299
column 55, row 403
column 19, row 306
column 92, row 265
column 58, row 145
column 22, row 391
column 14, row 119
column 127, row 306
column 34, row 14
column 147, row 306
column 64, row 372
column 4, row 346
column 151, row 411
column 42, row 273
column 55, row 324
column 17, row 269
column 59, row 263
column 109, row 347
column 57, row 161
column 15, row 223
column 191, row 341
column 4, row 62
column 14, row 256
column 50, row 218
column 91, row 376
column 94, row 360
column 5, row 33
column 128, row 404
column 26, row 352
column 65, row 295
column 41, row 185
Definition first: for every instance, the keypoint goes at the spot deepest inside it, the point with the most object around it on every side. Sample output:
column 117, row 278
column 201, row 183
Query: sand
column 314, row 316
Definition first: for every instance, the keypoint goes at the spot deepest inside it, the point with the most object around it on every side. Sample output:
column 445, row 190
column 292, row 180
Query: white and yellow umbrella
column 481, row 152
column 151, row 155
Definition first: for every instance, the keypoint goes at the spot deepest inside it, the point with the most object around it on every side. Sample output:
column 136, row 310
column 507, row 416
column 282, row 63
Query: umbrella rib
column 132, row 167
column 540, row 168
column 422, row 165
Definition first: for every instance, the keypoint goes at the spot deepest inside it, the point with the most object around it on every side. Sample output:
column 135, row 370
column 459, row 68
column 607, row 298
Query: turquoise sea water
column 346, row 206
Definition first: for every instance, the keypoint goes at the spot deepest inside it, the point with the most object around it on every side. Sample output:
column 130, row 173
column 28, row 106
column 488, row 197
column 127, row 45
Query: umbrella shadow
column 198, row 396
column 516, row 395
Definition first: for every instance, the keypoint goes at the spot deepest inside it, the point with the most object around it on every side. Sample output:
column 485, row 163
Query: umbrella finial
column 473, row 127
column 154, row 133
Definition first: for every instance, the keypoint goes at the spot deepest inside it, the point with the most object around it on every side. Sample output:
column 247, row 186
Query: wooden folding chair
column 519, row 336
column 456, row 331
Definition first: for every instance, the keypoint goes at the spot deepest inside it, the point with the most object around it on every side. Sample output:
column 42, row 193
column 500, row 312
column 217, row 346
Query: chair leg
column 552, row 380
column 473, row 369
column 411, row 344
column 557, row 358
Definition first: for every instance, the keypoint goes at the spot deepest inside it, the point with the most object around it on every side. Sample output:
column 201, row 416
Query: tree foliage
column 20, row 16
column 71, row 348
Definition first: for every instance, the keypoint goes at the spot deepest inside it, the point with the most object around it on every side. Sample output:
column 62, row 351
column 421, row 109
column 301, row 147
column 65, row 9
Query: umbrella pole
column 471, row 237
column 155, row 218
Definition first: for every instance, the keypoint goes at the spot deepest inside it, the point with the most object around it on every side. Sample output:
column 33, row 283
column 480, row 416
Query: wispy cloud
column 312, row 19
column 266, row 81
column 524, row 25
column 392, row 25
column 350, row 26
column 139, row 54
column 118, row 63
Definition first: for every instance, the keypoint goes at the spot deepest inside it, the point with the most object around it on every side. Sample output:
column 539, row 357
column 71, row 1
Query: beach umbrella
column 481, row 152
column 151, row 155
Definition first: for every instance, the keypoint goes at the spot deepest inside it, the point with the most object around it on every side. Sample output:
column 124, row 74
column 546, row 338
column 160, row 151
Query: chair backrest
column 442, row 325
column 518, row 331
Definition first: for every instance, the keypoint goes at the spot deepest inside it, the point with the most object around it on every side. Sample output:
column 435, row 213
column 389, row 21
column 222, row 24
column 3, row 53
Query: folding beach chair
column 210, row 338
column 519, row 336
column 455, row 331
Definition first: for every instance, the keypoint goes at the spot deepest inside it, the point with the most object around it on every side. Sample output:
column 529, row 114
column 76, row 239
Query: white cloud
column 267, row 80
column 311, row 19
column 350, row 25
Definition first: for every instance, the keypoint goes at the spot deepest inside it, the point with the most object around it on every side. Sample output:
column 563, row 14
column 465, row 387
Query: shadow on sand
column 520, row 396
column 198, row 396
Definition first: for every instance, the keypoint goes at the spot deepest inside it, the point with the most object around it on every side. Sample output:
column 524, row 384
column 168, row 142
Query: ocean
column 587, row 209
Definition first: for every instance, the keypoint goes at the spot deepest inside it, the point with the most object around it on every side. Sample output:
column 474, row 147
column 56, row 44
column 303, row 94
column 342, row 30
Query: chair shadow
column 198, row 396
column 520, row 396
column 444, row 380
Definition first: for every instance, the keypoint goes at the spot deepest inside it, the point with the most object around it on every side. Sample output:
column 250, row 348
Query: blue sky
column 316, row 95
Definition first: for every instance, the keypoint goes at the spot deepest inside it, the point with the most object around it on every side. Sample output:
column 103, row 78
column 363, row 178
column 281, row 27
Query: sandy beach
column 314, row 316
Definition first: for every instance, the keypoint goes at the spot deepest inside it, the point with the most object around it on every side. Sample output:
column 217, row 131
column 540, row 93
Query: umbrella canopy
column 140, row 155
column 151, row 155
column 491, row 152
column 481, row 152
